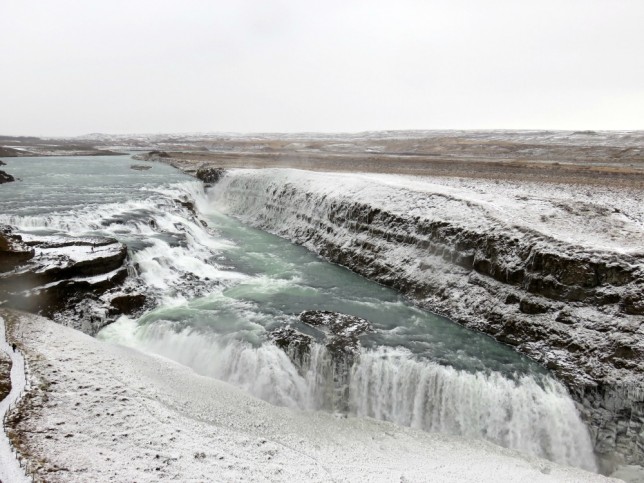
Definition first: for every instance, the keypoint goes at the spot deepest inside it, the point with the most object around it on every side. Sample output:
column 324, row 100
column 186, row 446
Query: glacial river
column 221, row 288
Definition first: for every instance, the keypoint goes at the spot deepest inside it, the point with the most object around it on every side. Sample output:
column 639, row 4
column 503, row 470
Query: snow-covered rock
column 58, row 276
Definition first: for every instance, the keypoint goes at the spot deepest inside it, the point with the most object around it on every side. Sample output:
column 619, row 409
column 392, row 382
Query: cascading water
column 223, row 287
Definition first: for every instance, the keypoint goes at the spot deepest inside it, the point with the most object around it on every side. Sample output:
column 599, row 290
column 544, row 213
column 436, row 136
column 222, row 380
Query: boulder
column 6, row 178
column 341, row 330
column 529, row 305
column 339, row 333
column 294, row 343
column 127, row 304
column 633, row 303
column 210, row 175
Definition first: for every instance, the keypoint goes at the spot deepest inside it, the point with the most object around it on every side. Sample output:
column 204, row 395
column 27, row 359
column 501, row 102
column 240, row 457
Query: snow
column 139, row 417
column 10, row 471
column 92, row 280
column 609, row 222
column 80, row 253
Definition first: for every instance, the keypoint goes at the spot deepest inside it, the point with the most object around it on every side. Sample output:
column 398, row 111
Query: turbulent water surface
column 222, row 286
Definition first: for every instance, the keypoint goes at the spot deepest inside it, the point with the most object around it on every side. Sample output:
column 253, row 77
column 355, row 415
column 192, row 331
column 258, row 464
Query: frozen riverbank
column 10, row 470
column 145, row 418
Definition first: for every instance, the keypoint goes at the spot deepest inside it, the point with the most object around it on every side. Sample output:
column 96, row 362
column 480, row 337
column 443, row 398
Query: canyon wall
column 534, row 267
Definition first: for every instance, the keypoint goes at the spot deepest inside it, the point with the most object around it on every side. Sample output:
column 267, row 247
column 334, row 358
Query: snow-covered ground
column 591, row 217
column 10, row 471
column 114, row 414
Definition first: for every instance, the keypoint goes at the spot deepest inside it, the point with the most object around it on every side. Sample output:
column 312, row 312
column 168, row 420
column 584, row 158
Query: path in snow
column 10, row 470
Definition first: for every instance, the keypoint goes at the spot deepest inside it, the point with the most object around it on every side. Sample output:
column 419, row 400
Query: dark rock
column 294, row 343
column 158, row 154
column 5, row 375
column 13, row 252
column 140, row 167
column 52, row 274
column 532, row 306
column 339, row 334
column 127, row 304
column 51, row 299
column 2, row 163
column 614, row 413
column 633, row 303
column 6, row 178
column 210, row 175
column 342, row 332
column 512, row 299
column 338, row 324
column 565, row 317
column 286, row 337
column 188, row 205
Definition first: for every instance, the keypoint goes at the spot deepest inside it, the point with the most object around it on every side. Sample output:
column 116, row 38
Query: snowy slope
column 112, row 413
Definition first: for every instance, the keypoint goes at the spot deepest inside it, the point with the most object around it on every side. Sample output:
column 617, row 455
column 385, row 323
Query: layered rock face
column 494, row 263
column 73, row 280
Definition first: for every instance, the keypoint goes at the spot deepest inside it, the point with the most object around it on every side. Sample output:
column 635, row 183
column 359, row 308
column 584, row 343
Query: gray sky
column 77, row 66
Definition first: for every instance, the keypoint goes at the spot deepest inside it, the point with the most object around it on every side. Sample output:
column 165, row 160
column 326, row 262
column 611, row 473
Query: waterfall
column 532, row 416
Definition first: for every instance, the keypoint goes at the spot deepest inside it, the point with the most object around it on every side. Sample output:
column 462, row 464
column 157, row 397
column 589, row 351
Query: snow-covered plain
column 101, row 412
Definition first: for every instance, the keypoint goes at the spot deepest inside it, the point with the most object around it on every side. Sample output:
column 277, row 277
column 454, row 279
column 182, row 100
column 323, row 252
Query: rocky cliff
column 76, row 281
column 555, row 274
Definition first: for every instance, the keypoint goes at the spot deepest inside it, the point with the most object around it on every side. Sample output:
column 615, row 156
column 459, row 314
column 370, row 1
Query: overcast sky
column 72, row 67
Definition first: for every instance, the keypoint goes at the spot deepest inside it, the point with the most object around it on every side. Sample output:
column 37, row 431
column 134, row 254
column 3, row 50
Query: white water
column 538, row 418
column 534, row 418
column 221, row 288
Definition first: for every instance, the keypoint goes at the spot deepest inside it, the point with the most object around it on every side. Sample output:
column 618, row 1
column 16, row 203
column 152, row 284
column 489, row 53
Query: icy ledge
column 555, row 271
column 101, row 412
